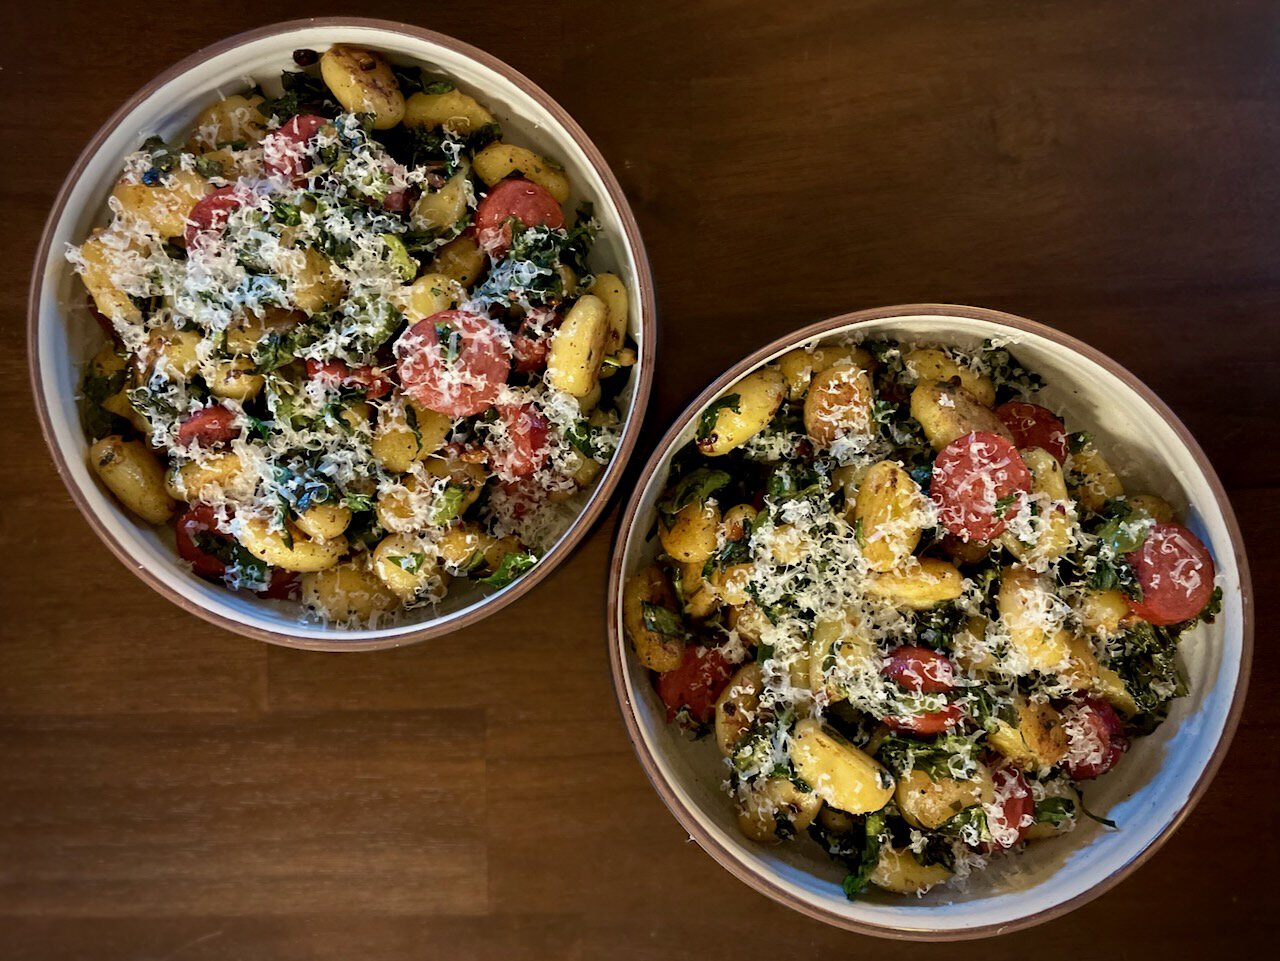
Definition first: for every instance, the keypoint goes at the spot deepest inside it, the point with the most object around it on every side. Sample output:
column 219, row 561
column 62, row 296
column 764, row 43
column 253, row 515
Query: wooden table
column 168, row 790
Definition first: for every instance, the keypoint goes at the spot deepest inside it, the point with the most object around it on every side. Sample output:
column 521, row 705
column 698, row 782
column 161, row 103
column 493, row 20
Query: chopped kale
column 1055, row 811
column 411, row 81
column 948, row 756
column 694, row 488
column 303, row 94
column 969, row 825
column 663, row 620
column 358, row 502
column 876, row 835
column 96, row 389
column 707, row 422
column 795, row 480
column 448, row 504
column 586, row 439
column 512, row 565
column 1012, row 380
column 1145, row 658
column 409, row 563
column 529, row 273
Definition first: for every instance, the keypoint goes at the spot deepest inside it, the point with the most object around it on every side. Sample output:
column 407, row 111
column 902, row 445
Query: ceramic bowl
column 62, row 334
column 1148, row 795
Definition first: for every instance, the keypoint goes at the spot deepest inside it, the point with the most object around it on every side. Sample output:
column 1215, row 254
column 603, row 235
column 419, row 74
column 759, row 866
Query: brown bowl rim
column 613, row 473
column 762, row 883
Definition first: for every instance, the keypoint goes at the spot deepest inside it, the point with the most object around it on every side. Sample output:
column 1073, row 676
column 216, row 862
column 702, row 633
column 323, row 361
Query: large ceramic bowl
column 62, row 334
column 1148, row 795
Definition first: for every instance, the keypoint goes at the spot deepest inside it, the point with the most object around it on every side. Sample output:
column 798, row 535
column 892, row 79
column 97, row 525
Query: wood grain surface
column 171, row 791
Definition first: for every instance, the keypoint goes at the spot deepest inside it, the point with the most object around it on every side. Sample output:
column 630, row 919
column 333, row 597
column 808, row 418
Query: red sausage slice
column 532, row 341
column 525, row 201
column 284, row 150
column 336, row 373
column 453, row 362
column 201, row 519
column 978, row 480
column 523, row 448
column 196, row 520
column 1095, row 738
column 1034, row 426
column 696, row 683
column 208, row 218
column 927, row 725
column 1014, row 808
column 398, row 201
column 282, row 585
column 919, row 668
column 208, row 427
column 1175, row 571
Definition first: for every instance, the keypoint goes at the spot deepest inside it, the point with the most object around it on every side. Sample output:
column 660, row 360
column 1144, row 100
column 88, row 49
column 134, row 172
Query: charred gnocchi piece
column 838, row 404
column 577, row 347
column 737, row 707
column 929, row 802
column 648, row 614
column 931, row 366
column 776, row 809
column 742, row 412
column 132, row 473
column 946, row 412
column 889, row 508
column 364, row 83
column 843, row 775
column 898, row 870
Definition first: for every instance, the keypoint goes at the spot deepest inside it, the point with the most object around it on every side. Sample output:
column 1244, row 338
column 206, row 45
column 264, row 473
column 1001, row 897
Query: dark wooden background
column 171, row 791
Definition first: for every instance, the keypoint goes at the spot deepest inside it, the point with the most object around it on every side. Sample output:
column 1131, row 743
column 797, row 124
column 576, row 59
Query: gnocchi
column 577, row 347
column 133, row 474
column 452, row 109
column 499, row 160
column 742, row 413
column 363, row 82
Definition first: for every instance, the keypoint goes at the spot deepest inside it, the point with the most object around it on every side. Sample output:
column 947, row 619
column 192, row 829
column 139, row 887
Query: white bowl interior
column 68, row 336
column 1143, row 794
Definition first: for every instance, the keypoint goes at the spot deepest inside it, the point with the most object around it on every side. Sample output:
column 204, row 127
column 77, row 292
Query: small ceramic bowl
column 62, row 334
column 1148, row 794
